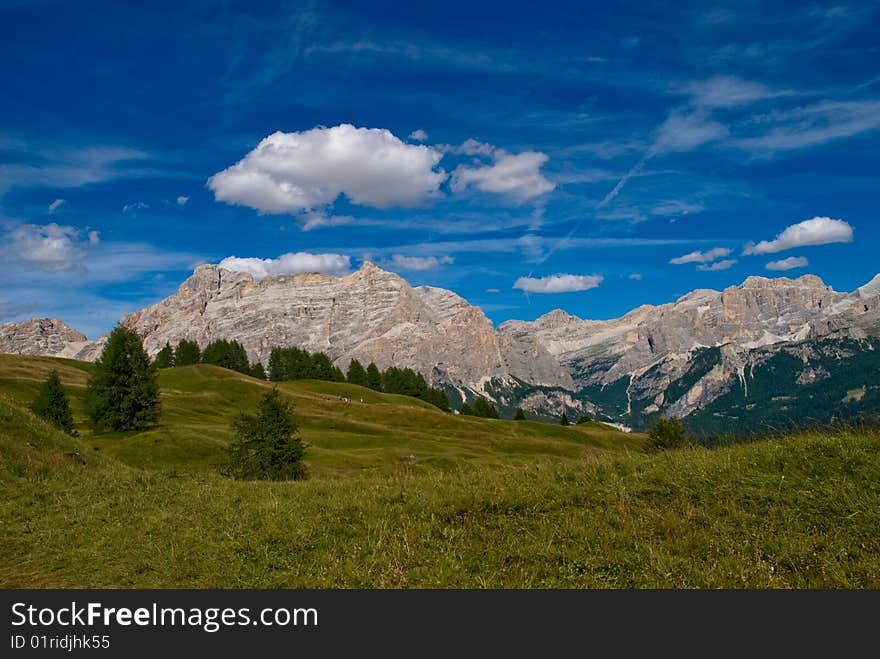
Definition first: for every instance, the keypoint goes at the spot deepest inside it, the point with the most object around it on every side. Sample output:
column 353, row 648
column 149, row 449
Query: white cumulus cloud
column 701, row 257
column 790, row 263
column 418, row 263
column 718, row 265
column 559, row 283
column 817, row 231
column 290, row 264
column 418, row 135
column 181, row 200
column 301, row 171
column 516, row 175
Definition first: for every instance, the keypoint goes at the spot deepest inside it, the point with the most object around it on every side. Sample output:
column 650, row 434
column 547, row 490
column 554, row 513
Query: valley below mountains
column 769, row 353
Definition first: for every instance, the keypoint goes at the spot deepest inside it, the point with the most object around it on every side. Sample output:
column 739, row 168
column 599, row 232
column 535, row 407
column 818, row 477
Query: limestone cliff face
column 44, row 336
column 371, row 315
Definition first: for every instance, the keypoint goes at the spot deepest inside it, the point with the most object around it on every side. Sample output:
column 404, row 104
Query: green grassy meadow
column 402, row 495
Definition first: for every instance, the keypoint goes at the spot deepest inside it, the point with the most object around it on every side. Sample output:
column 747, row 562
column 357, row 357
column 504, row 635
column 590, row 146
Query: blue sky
column 528, row 156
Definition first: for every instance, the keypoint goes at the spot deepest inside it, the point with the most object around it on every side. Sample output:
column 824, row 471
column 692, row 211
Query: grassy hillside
column 199, row 403
column 492, row 504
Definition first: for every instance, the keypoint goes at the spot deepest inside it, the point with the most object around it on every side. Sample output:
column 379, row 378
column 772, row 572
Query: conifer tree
column 356, row 373
column 257, row 371
column 519, row 415
column 187, row 353
column 267, row 446
column 374, row 377
column 51, row 404
column 123, row 391
column 165, row 357
column 563, row 419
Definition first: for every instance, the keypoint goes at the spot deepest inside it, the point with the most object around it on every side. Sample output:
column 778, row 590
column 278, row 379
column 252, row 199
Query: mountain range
column 766, row 353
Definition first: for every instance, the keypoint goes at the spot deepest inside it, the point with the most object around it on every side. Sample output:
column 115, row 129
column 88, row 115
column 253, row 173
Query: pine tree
column 356, row 373
column 519, row 415
column 266, row 446
column 51, row 404
column 484, row 409
column 123, row 391
column 374, row 377
column 465, row 409
column 165, row 357
column 584, row 418
column 187, row 353
column 257, row 371
column 563, row 420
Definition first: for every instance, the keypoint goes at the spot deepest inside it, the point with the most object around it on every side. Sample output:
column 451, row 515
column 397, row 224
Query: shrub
column 584, row 418
column 666, row 433
column 519, row 415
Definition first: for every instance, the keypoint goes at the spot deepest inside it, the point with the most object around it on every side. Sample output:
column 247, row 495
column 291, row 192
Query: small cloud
column 701, row 257
column 790, row 263
column 636, row 276
column 181, row 200
column 492, row 290
column 418, row 135
column 515, row 175
column 418, row 263
column 558, row 283
column 817, row 231
column 136, row 206
column 718, row 265
column 94, row 238
column 290, row 264
column 55, row 205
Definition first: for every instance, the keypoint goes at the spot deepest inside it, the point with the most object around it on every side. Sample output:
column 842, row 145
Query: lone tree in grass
column 519, row 415
column 267, row 446
column 123, row 392
column 165, row 357
column 51, row 404
column 584, row 418
column 666, row 433
column 563, row 420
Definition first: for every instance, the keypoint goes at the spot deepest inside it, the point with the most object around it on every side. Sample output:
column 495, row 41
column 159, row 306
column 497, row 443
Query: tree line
column 297, row 364
column 223, row 353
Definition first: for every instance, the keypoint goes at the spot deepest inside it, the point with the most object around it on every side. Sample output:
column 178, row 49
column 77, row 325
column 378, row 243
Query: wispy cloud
column 810, row 126
column 701, row 257
column 718, row 265
column 417, row 263
column 790, row 263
